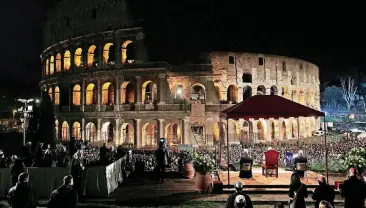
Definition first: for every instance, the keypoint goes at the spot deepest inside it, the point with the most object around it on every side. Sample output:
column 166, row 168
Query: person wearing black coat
column 298, row 192
column 353, row 191
column 77, row 171
column 16, row 168
column 162, row 158
column 323, row 192
column 22, row 195
column 64, row 196
column 245, row 159
column 230, row 202
column 300, row 159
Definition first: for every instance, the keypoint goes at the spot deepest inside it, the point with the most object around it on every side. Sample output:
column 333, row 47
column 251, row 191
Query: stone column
column 240, row 94
column 138, row 138
column 118, row 47
column 72, row 62
column 59, row 133
column 62, row 60
column 53, row 95
column 99, row 126
column 117, row 94
column 70, row 96
column 138, row 90
column 140, row 48
column 117, row 139
column 210, row 91
column 84, row 56
column 99, row 88
column 83, row 92
column 161, row 128
column 99, row 52
column 268, row 91
column 83, row 129
column 186, row 139
column 70, row 129
column 162, row 89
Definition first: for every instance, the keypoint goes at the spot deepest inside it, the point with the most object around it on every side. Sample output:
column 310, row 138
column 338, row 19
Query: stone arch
column 107, row 132
column 91, row 55
column 294, row 95
column 149, row 92
column 128, row 52
column 50, row 93
column 76, row 130
column 67, row 60
column 173, row 134
column 179, row 93
column 65, row 131
column 127, row 134
column 261, row 130
column 274, row 131
column 284, row 130
column 127, row 93
column 107, row 94
column 294, row 129
column 47, row 67
column 149, row 134
column 91, row 95
column 109, row 54
column 198, row 92
column 57, row 96
column 234, row 131
column 76, row 92
column 261, row 90
column 218, row 92
column 247, row 78
column 232, row 94
column 91, row 132
column 219, row 132
column 78, row 57
column 56, row 129
column 247, row 132
column 302, row 97
column 247, row 93
column 58, row 62
column 52, row 65
column 274, row 90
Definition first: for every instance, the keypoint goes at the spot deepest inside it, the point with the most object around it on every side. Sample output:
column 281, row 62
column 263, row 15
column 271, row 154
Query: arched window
column 78, row 58
column 91, row 55
column 76, row 130
column 47, row 67
column 57, row 96
column 128, row 52
column 76, row 95
column 67, row 61
column 56, row 129
column 65, row 131
column 58, row 62
column 179, row 93
column 91, row 95
column 108, row 94
column 91, row 132
column 52, row 65
column 108, row 53
column 50, row 92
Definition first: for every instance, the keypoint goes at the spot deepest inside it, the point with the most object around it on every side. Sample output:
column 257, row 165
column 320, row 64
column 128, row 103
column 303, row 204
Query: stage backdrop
column 100, row 181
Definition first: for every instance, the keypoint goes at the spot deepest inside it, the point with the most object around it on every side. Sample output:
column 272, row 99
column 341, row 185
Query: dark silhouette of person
column 300, row 159
column 353, row 191
column 64, row 196
column 77, row 170
column 162, row 158
column 16, row 168
column 297, row 192
column 22, row 195
column 245, row 159
column 323, row 192
column 230, row 202
column 103, row 154
column 2, row 159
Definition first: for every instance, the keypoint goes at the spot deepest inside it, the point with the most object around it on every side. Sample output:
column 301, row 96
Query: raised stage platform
column 259, row 179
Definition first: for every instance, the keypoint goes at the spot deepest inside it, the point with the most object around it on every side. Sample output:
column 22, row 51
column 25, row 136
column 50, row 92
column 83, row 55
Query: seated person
column 245, row 159
column 300, row 159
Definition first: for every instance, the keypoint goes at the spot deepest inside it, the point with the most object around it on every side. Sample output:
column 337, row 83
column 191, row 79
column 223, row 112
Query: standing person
column 300, row 159
column 297, row 193
column 77, row 172
column 323, row 192
column 244, row 201
column 22, row 195
column 162, row 157
column 64, row 196
column 2, row 159
column 16, row 168
column 353, row 191
column 103, row 154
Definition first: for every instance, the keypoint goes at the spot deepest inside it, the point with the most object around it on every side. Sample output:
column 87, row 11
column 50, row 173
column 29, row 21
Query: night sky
column 329, row 35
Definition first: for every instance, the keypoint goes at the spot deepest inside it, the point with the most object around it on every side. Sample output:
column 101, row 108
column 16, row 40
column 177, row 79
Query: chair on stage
column 303, row 168
column 271, row 162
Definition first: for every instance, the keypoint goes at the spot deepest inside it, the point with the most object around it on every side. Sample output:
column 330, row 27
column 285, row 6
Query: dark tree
column 32, row 131
column 46, row 127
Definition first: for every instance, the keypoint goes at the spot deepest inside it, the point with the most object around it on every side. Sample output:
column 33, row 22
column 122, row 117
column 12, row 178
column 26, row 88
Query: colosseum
column 105, row 89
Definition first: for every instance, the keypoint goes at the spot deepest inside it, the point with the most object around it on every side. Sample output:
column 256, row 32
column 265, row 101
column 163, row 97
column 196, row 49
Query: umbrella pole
column 326, row 149
column 228, row 154
column 298, row 133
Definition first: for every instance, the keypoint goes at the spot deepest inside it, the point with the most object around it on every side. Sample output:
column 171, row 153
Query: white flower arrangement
column 356, row 158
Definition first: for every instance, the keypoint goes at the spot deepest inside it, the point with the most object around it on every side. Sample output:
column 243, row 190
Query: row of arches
column 63, row 62
column 150, row 134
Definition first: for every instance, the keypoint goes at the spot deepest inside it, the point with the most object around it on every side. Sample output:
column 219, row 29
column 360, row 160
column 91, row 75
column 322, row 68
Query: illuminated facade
column 105, row 89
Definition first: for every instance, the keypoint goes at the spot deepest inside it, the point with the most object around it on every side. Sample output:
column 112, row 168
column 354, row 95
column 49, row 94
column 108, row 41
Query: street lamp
column 25, row 110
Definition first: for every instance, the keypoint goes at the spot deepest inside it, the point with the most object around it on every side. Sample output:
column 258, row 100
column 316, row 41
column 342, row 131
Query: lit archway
column 232, row 94
column 47, row 67
column 52, row 65
column 58, row 62
column 149, row 92
column 219, row 133
column 294, row 129
column 107, row 94
column 56, row 128
column 173, row 134
column 302, row 127
column 50, row 93
column 76, row 130
column 76, row 92
column 261, row 131
column 91, row 97
column 198, row 132
column 150, row 135
column 218, row 93
column 78, row 57
column 127, row 93
column 179, row 93
column 57, row 96
column 245, row 133
column 107, row 132
column 91, row 54
column 247, row 93
column 261, row 90
column 108, row 53
column 91, row 132
column 128, row 52
column 67, row 60
column 284, row 130
column 65, row 131
column 198, row 92
column 285, row 93
column 274, row 90
column 127, row 134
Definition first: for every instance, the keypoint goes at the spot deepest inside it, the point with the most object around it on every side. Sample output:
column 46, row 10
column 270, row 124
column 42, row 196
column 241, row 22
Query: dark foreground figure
column 22, row 195
column 64, row 196
column 239, row 199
